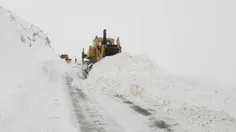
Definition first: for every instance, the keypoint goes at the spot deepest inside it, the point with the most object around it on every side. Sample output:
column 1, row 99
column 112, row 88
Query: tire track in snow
column 79, row 99
column 88, row 114
column 155, row 123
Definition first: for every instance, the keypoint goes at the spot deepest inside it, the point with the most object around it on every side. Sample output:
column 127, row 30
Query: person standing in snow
column 75, row 60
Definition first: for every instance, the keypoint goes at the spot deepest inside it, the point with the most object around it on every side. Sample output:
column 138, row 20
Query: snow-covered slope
column 194, row 104
column 23, row 46
column 122, row 92
column 33, row 96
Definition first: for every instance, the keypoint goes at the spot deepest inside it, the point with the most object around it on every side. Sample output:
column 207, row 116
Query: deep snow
column 123, row 92
column 194, row 104
column 33, row 95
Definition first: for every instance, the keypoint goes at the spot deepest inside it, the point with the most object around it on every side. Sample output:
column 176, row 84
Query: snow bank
column 33, row 96
column 203, row 105
column 23, row 46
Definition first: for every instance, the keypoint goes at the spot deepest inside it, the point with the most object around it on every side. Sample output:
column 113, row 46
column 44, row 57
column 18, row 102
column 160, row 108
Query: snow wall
column 33, row 96
column 205, row 105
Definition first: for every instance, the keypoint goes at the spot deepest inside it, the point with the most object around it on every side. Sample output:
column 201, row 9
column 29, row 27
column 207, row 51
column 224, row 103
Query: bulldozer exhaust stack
column 104, row 40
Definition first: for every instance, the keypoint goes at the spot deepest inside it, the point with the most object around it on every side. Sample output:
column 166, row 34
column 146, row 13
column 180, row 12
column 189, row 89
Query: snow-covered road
column 123, row 93
column 101, row 112
column 89, row 114
column 129, row 100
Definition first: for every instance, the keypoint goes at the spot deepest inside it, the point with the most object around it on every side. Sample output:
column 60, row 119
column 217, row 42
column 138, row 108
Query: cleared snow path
column 90, row 116
column 132, row 117
column 138, row 102
column 105, row 113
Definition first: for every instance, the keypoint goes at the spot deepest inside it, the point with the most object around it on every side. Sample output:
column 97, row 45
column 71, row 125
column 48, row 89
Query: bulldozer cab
column 102, row 47
column 110, row 47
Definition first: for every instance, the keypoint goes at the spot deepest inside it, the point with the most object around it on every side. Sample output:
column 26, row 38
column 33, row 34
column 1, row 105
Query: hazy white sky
column 193, row 37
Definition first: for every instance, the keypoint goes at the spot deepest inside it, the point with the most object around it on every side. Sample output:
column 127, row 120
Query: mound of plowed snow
column 203, row 105
column 32, row 94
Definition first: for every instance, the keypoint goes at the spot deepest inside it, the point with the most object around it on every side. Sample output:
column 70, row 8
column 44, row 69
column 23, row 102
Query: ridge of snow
column 205, row 106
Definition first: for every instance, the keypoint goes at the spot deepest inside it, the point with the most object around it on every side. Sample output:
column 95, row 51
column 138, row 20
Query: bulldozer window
column 109, row 51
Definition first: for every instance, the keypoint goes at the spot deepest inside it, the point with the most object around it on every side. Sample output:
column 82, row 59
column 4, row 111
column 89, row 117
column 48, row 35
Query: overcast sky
column 192, row 37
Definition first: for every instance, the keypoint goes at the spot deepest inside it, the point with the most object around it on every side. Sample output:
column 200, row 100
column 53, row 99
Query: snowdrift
column 202, row 105
column 33, row 96
column 23, row 46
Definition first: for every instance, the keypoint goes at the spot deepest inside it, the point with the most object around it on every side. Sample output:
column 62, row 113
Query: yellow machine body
column 102, row 47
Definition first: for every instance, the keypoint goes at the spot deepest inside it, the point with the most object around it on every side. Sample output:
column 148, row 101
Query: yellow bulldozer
column 102, row 47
